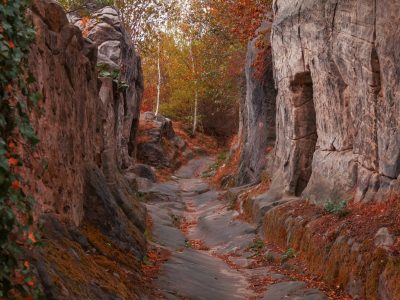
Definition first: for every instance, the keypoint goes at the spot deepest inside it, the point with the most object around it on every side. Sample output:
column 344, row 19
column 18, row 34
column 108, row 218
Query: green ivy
column 337, row 207
column 16, row 36
column 105, row 71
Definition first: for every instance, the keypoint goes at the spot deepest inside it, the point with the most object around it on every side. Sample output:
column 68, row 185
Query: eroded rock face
column 158, row 145
column 67, row 123
column 338, row 114
column 116, row 52
column 93, row 224
column 257, row 108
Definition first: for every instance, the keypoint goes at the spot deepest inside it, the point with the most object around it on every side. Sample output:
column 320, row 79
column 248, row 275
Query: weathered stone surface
column 383, row 238
column 158, row 145
column 66, row 121
column 337, row 75
column 87, row 131
column 116, row 52
column 292, row 290
column 108, row 209
column 257, row 108
column 144, row 171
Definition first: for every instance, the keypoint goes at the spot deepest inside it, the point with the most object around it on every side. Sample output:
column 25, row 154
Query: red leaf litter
column 199, row 245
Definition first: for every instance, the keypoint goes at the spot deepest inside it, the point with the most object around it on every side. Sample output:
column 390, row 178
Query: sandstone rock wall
column 257, row 115
column 336, row 68
column 81, row 120
column 67, row 123
column 116, row 53
column 78, row 174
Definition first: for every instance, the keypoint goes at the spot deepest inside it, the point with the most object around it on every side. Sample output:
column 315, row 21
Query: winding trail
column 213, row 254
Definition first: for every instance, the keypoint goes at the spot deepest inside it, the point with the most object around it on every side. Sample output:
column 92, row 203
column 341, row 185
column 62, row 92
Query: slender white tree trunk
column 196, row 93
column 159, row 79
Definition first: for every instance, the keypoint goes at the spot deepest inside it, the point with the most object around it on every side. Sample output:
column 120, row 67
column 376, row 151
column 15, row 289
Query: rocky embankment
column 335, row 66
column 81, row 173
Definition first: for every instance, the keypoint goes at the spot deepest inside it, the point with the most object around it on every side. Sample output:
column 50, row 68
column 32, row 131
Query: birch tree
column 159, row 78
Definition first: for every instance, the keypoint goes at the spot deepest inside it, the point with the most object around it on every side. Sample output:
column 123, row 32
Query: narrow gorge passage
column 213, row 255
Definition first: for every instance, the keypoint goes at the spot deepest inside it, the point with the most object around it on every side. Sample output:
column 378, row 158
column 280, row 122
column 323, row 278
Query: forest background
column 193, row 55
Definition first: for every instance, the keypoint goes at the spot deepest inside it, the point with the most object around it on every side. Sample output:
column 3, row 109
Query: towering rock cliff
column 338, row 118
column 257, row 114
column 93, row 224
column 336, row 71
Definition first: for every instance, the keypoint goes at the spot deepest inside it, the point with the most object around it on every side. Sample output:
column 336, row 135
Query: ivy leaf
column 28, row 133
column 4, row 164
column 105, row 74
column 35, row 98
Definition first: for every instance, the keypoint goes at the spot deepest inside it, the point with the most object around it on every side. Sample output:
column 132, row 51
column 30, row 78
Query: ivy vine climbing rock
column 16, row 99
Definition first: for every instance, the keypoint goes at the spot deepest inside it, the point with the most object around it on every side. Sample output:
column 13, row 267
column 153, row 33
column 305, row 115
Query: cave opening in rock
column 305, row 130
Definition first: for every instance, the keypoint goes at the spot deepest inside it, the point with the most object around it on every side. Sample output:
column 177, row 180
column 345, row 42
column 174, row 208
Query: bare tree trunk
column 196, row 94
column 159, row 79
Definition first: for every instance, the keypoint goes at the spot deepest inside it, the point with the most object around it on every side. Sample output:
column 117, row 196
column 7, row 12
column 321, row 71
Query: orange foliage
column 199, row 245
column 11, row 44
column 205, row 142
column 298, row 271
column 185, row 226
column 320, row 230
column 149, row 96
column 116, row 271
column 85, row 22
column 229, row 168
column 12, row 162
column 15, row 185
column 363, row 220
column 239, row 17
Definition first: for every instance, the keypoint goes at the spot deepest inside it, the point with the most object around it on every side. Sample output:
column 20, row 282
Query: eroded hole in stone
column 305, row 126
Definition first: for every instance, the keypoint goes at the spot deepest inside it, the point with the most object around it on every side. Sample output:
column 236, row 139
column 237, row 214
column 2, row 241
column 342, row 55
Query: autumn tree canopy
column 203, row 51
column 193, row 53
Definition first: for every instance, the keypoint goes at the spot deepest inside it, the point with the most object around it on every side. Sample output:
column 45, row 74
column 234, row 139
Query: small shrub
column 290, row 253
column 336, row 207
column 221, row 159
column 146, row 261
column 269, row 257
column 188, row 245
column 257, row 245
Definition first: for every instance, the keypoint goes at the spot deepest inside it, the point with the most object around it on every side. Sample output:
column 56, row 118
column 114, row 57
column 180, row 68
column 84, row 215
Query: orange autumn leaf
column 30, row 297
column 31, row 237
column 19, row 277
column 12, row 146
column 15, row 185
column 27, row 264
column 12, row 162
column 8, row 88
column 30, row 283
column 11, row 44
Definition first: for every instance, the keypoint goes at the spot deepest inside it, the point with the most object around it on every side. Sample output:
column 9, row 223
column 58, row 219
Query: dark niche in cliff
column 305, row 130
